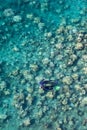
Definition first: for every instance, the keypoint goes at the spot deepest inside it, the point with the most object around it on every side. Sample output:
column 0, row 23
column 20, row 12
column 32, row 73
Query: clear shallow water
column 43, row 39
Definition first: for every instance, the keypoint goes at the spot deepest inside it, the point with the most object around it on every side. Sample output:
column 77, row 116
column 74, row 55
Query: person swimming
column 49, row 84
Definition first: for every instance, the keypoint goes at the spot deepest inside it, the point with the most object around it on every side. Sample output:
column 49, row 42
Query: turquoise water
column 43, row 39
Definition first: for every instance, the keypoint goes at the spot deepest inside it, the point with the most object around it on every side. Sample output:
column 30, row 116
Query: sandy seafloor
column 43, row 39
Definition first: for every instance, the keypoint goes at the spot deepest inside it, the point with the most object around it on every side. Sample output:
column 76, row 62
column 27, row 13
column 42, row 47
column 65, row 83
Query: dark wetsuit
column 48, row 84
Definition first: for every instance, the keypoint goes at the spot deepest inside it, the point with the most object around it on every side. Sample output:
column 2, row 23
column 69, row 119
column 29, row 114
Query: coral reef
column 42, row 39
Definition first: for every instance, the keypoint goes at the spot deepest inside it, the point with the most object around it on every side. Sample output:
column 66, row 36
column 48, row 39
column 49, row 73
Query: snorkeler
column 49, row 84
